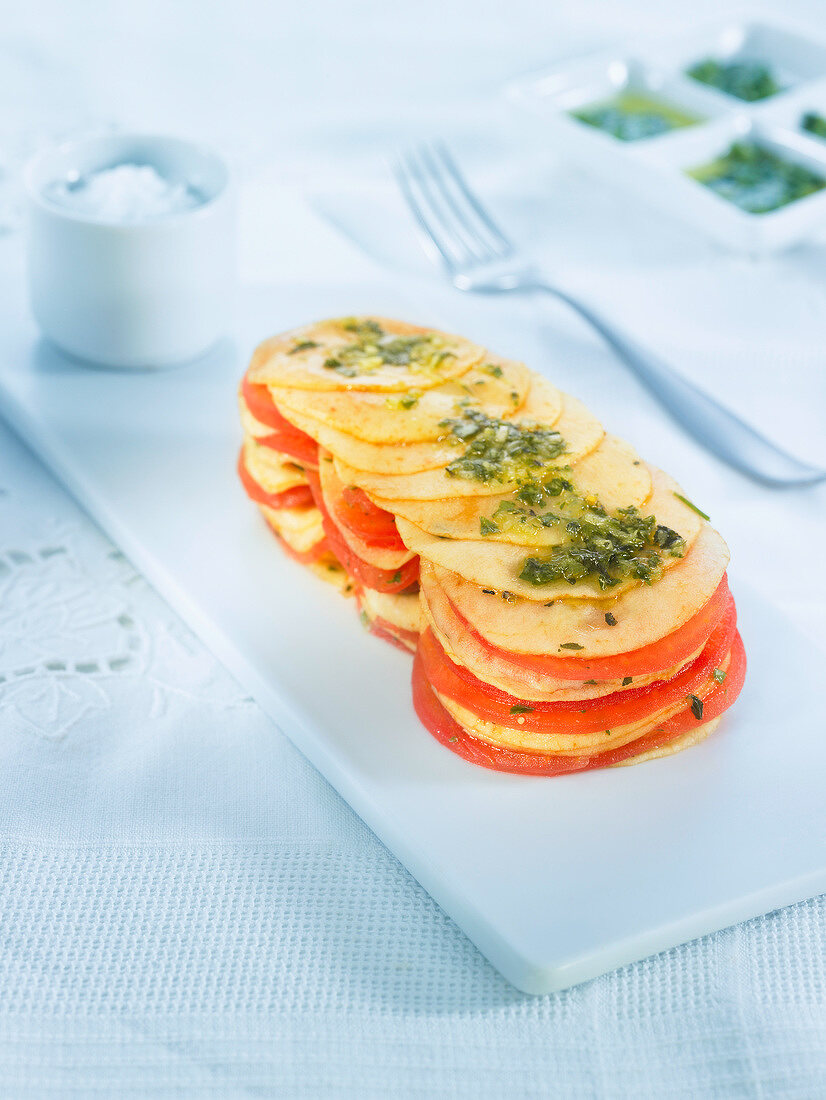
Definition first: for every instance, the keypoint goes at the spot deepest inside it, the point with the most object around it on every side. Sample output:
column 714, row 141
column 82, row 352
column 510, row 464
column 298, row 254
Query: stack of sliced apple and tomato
column 274, row 465
column 350, row 467
column 315, row 415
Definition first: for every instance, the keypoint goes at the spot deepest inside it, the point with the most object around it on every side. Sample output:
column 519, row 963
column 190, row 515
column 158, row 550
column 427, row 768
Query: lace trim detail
column 76, row 617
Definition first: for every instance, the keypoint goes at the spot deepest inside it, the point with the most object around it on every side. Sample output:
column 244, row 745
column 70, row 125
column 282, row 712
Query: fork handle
column 714, row 426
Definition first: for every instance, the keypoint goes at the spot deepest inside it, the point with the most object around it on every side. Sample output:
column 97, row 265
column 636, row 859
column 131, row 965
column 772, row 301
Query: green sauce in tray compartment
column 814, row 123
column 744, row 79
column 631, row 116
column 757, row 179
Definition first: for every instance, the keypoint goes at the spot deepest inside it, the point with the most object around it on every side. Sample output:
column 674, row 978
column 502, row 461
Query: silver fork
column 461, row 235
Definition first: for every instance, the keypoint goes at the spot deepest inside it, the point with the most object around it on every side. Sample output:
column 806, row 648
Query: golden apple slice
column 612, row 474
column 362, row 353
column 498, row 565
column 498, row 387
column 274, row 472
column 614, row 624
column 581, row 432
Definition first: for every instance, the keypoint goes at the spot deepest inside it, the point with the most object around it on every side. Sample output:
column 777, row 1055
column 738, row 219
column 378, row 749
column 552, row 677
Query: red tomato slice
column 395, row 635
column 718, row 699
column 574, row 716
column 356, row 512
column 258, row 400
column 402, row 639
column 383, row 580
column 669, row 651
column 285, row 436
column 300, row 448
column 294, row 497
column 448, row 731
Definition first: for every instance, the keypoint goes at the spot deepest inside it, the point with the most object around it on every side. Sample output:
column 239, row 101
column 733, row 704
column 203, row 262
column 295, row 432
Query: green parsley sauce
column 633, row 116
column 814, row 124
column 756, row 179
column 408, row 400
column 743, row 79
column 498, row 450
column 373, row 348
column 302, row 345
column 597, row 545
column 607, row 548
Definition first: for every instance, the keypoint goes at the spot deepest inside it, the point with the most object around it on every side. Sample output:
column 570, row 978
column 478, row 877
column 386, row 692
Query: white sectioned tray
column 656, row 168
column 555, row 880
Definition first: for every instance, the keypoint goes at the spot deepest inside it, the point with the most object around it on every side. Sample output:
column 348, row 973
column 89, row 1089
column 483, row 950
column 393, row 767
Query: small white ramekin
column 147, row 294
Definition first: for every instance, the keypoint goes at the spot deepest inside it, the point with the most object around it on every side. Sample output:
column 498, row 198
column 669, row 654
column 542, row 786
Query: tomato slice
column 383, row 580
column 294, row 497
column 356, row 512
column 285, row 436
column 258, row 400
column 300, row 447
column 448, row 731
column 399, row 637
column 665, row 653
column 574, row 716
column 718, row 699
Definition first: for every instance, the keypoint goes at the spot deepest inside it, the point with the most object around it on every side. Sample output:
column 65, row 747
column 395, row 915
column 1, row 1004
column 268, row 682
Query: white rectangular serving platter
column 656, row 168
column 555, row 880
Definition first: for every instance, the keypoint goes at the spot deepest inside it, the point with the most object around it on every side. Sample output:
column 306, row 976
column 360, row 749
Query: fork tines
column 450, row 215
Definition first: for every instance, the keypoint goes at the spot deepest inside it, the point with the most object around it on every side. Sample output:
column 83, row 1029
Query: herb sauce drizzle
column 608, row 548
column 373, row 348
